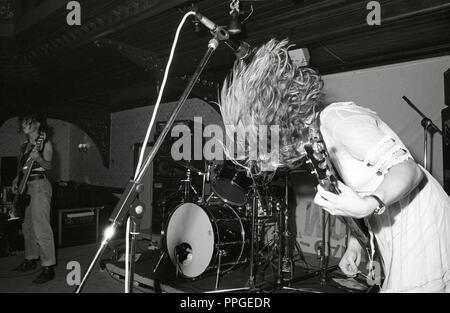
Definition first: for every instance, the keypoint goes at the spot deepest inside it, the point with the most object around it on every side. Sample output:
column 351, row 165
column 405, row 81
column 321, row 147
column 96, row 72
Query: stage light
column 234, row 27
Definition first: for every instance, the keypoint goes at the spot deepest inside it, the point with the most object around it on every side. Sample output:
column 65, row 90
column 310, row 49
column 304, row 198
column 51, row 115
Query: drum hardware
column 287, row 265
column 219, row 264
column 272, row 247
column 285, row 262
column 253, row 259
column 187, row 187
column 205, row 179
column 298, row 256
column 278, row 248
column 206, row 176
column 288, row 234
column 322, row 273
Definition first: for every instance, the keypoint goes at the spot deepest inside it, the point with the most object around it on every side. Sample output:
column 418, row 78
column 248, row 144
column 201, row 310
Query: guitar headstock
column 317, row 159
column 319, row 162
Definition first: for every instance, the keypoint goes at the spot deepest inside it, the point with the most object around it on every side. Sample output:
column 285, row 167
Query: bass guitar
column 21, row 198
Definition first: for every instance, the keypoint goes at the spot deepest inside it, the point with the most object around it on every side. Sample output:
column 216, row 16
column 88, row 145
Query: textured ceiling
column 63, row 65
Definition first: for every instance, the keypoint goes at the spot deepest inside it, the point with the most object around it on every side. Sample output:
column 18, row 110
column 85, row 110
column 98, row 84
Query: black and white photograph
column 230, row 154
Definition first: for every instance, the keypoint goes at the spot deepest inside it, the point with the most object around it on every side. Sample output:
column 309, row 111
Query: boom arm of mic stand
column 426, row 122
column 122, row 208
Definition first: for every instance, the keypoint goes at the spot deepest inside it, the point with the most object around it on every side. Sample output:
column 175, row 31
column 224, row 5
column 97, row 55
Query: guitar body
column 20, row 203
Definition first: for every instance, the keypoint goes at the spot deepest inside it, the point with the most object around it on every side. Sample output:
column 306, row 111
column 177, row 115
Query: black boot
column 27, row 265
column 47, row 274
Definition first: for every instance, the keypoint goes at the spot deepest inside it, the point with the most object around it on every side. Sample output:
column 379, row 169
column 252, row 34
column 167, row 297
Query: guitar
column 321, row 167
column 21, row 198
column 319, row 161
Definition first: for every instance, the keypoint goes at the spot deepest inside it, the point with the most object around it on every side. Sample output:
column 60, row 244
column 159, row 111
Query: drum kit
column 226, row 229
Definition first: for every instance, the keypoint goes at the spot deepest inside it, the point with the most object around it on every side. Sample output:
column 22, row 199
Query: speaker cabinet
column 8, row 170
column 78, row 226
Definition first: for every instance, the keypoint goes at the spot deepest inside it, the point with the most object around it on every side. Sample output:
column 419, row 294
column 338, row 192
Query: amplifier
column 78, row 226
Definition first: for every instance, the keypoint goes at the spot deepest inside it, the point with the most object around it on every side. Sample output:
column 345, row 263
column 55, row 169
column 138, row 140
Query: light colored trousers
column 36, row 227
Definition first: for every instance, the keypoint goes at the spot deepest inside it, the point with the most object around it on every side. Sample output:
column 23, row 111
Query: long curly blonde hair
column 268, row 89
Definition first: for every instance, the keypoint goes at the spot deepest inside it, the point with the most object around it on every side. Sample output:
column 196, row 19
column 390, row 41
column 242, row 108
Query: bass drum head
column 190, row 224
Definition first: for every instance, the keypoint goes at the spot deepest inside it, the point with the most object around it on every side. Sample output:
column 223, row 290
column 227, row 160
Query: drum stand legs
column 285, row 261
column 322, row 272
column 218, row 270
column 161, row 257
column 251, row 281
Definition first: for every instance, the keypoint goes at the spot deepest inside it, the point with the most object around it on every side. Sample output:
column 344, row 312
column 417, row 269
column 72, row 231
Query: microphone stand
column 429, row 129
column 136, row 215
column 125, row 205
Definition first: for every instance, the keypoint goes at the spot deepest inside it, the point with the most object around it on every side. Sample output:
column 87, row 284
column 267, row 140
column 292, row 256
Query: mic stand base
column 97, row 256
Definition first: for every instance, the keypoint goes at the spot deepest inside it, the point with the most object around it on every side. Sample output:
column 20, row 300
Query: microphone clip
column 221, row 33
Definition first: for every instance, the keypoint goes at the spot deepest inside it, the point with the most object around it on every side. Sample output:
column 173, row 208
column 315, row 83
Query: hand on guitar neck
column 348, row 203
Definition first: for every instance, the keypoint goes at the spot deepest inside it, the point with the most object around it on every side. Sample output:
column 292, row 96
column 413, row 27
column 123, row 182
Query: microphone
column 241, row 49
column 184, row 253
column 213, row 27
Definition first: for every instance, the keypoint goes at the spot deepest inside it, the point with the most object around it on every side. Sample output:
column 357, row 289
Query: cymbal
column 188, row 166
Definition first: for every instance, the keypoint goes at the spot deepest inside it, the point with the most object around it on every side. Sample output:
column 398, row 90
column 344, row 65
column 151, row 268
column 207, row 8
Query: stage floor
column 165, row 280
column 99, row 282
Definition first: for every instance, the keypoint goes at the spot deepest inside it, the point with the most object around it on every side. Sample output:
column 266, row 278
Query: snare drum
column 198, row 238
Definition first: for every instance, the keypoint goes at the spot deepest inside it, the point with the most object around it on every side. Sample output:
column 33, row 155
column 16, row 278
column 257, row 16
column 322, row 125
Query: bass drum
column 196, row 235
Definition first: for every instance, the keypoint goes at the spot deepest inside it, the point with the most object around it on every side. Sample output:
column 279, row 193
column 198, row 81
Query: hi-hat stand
column 127, row 205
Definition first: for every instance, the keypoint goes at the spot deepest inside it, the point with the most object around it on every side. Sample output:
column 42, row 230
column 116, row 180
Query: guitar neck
column 327, row 178
column 355, row 229
column 28, row 166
